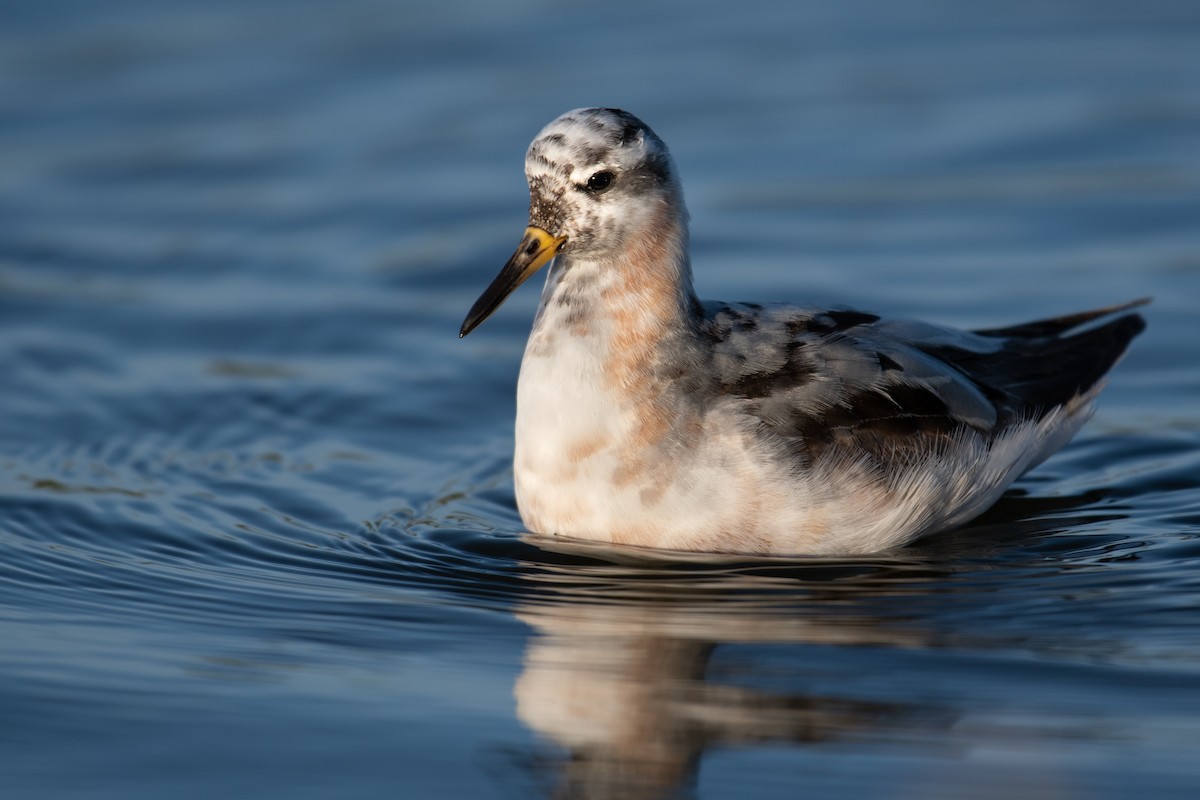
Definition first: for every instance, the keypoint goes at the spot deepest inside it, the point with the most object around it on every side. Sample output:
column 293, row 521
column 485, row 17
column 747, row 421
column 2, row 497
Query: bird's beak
column 536, row 248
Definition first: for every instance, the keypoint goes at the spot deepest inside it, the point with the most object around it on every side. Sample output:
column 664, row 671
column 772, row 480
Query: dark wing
column 1038, row 368
column 1056, row 326
column 824, row 377
column 818, row 377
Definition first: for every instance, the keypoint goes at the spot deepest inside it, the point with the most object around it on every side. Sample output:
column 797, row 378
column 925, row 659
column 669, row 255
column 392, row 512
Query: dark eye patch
column 599, row 181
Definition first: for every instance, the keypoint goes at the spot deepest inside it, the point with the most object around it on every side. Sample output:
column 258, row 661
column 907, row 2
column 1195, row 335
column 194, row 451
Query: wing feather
column 841, row 376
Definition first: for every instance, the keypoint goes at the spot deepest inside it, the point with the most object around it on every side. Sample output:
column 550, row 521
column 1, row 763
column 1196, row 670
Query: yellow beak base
column 537, row 247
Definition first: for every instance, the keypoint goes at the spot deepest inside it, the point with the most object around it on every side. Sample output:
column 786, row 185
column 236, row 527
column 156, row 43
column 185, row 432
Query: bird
column 647, row 417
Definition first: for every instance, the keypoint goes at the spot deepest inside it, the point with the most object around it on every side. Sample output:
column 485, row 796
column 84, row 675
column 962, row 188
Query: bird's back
column 848, row 379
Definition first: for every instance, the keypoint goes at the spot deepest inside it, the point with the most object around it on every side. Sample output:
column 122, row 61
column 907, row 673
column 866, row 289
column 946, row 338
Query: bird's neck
column 633, row 308
column 610, row 369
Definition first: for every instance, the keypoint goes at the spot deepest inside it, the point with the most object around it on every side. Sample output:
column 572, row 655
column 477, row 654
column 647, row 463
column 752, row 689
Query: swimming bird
column 648, row 417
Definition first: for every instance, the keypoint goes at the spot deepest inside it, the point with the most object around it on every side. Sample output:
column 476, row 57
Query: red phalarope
column 648, row 417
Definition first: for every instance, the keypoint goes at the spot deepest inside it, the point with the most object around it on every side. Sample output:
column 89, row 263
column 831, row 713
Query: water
column 257, row 522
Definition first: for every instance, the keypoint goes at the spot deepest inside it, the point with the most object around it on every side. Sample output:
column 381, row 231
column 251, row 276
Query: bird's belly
column 650, row 501
column 729, row 495
column 591, row 476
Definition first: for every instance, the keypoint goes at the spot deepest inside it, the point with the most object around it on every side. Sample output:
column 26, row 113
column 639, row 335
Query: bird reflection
column 626, row 686
column 641, row 664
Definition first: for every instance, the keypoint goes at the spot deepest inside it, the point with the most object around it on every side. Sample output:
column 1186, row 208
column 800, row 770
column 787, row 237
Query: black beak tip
column 469, row 324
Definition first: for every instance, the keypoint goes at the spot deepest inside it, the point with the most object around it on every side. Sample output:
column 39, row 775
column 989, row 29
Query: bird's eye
column 599, row 181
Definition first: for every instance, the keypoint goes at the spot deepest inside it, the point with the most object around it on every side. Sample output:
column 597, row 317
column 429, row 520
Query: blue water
column 257, row 530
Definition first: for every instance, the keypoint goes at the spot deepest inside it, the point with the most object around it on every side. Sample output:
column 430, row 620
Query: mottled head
column 594, row 175
column 598, row 179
